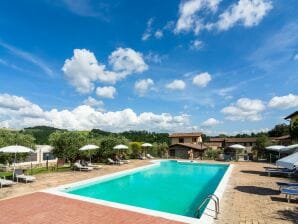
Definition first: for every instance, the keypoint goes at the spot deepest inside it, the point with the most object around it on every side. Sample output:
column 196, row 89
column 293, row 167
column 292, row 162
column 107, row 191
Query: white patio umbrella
column 275, row 148
column 88, row 148
column 119, row 147
column 289, row 162
column 146, row 145
column 237, row 146
column 291, row 148
column 15, row 149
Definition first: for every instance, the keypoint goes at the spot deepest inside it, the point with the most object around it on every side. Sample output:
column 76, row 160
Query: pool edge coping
column 205, row 218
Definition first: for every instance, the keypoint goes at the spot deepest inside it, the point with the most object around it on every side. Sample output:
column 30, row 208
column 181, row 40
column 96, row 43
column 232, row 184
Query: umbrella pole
column 89, row 156
column 14, row 165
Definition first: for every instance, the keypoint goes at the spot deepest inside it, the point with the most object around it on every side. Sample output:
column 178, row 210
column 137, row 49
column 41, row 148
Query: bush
column 211, row 154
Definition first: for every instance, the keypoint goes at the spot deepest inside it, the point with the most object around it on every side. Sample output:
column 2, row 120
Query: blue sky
column 210, row 65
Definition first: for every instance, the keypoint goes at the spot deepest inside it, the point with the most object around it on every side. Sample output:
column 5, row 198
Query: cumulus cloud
column 188, row 14
column 202, row 79
column 82, row 70
column 244, row 109
column 127, row 61
column 246, row 12
column 210, row 122
column 176, row 85
column 90, row 101
column 193, row 15
column 85, row 117
column 284, row 102
column 142, row 86
column 106, row 92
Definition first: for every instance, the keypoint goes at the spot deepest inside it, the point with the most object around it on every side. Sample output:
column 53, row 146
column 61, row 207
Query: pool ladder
column 215, row 199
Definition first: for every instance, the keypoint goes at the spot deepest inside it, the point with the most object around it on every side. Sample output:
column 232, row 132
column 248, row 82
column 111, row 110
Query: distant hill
column 41, row 133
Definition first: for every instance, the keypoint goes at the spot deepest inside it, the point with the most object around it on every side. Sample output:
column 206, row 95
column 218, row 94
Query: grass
column 38, row 170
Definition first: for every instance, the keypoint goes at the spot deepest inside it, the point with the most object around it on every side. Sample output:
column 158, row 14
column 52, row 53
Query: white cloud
column 158, row 34
column 154, row 57
column 90, row 101
column 83, row 69
column 284, row 102
column 244, row 109
column 188, row 14
column 295, row 58
column 15, row 105
column 82, row 8
column 246, row 12
column 176, row 85
column 126, row 61
column 148, row 32
column 196, row 44
column 210, row 122
column 142, row 86
column 28, row 57
column 84, row 117
column 106, row 92
column 202, row 79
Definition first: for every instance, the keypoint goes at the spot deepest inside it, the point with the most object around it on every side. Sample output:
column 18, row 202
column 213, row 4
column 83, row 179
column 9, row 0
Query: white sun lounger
column 78, row 166
column 4, row 182
column 19, row 175
column 25, row 178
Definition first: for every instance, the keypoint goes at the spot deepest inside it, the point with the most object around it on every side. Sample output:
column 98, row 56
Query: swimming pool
column 167, row 186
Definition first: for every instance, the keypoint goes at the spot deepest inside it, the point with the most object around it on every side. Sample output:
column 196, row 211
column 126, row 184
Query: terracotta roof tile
column 192, row 134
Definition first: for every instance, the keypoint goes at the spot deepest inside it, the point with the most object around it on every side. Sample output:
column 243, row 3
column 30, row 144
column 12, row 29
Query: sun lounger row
column 281, row 171
column 118, row 161
column 84, row 166
column 18, row 176
column 148, row 156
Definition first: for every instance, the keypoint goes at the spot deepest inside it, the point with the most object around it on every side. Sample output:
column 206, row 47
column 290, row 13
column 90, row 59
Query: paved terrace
column 250, row 197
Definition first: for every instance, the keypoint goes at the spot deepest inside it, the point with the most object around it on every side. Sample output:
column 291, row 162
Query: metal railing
column 212, row 197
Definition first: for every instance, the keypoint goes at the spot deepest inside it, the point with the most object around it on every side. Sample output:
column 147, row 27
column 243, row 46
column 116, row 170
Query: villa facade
column 182, row 143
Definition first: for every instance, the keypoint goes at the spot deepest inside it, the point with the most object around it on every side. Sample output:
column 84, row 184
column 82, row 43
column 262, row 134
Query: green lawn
column 38, row 171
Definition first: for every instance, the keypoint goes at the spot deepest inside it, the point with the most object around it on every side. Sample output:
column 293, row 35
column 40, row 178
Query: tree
column 261, row 143
column 8, row 137
column 66, row 144
column 294, row 130
column 136, row 149
column 107, row 144
column 279, row 130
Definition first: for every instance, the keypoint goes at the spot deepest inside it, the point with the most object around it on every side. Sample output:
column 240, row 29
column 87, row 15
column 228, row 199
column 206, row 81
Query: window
column 181, row 140
column 194, row 139
column 50, row 156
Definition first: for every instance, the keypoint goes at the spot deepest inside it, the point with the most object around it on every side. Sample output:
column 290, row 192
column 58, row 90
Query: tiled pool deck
column 250, row 197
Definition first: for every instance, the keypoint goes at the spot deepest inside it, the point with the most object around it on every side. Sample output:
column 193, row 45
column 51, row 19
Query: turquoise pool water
column 171, row 186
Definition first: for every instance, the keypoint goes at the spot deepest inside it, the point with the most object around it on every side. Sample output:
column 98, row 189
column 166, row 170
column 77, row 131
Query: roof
column 217, row 139
column 191, row 146
column 282, row 137
column 291, row 115
column 192, row 134
column 233, row 140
